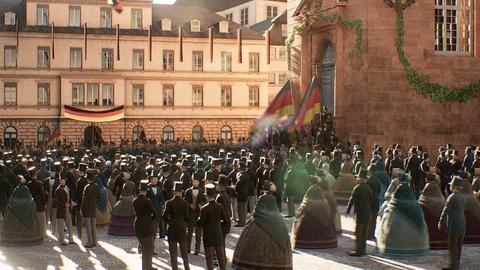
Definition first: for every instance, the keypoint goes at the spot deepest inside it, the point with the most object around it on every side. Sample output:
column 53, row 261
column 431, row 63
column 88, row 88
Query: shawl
column 102, row 201
column 404, row 201
column 317, row 205
column 432, row 198
column 267, row 216
column 329, row 196
column 22, row 205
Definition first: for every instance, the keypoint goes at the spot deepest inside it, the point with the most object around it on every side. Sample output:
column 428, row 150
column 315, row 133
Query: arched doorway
column 92, row 136
column 10, row 137
column 328, row 78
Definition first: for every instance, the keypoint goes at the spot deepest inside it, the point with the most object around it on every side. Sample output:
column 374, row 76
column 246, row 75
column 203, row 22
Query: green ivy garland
column 317, row 16
column 420, row 82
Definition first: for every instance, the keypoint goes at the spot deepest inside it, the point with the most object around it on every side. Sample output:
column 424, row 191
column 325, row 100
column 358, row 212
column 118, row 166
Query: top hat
column 82, row 167
column 217, row 161
column 143, row 185
column 184, row 163
column 223, row 180
column 425, row 156
column 210, row 190
column 396, row 152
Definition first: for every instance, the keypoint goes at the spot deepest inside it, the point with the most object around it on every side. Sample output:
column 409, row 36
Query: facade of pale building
column 170, row 91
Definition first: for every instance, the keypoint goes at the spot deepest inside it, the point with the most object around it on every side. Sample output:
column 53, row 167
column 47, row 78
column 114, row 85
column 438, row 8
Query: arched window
column 10, row 137
column 138, row 133
column 168, row 133
column 226, row 132
column 197, row 133
column 42, row 134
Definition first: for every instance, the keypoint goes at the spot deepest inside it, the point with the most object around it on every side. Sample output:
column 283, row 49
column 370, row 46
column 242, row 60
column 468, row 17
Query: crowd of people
column 404, row 202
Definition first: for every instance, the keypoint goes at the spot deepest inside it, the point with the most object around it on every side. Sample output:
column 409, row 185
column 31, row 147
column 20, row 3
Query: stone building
column 170, row 90
column 372, row 100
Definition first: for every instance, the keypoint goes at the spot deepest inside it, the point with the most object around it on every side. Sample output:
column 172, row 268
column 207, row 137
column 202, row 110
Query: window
column 273, row 53
column 168, row 60
column 10, row 92
column 229, row 16
column 168, row 133
column 43, row 57
column 10, row 137
column 272, row 11
column 253, row 62
column 166, row 24
column 42, row 135
column 78, row 94
column 282, row 54
column 226, row 132
column 137, row 95
column 271, row 78
column 195, row 26
column 138, row 133
column 138, row 59
column 43, row 94
column 10, row 56
column 168, row 95
column 244, row 16
column 107, row 94
column 197, row 96
column 75, row 57
column 74, row 15
column 227, row 61
column 197, row 133
column 10, row 18
column 92, row 94
column 226, row 96
column 137, row 19
column 253, row 96
column 42, row 15
column 105, row 18
column 453, row 26
column 284, row 30
column 107, row 59
column 282, row 78
column 197, row 58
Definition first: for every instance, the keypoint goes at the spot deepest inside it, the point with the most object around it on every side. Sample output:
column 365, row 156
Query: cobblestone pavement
column 121, row 253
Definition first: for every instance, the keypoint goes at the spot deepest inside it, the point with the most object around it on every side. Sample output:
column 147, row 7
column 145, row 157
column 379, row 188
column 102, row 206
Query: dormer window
column 9, row 18
column 223, row 27
column 166, row 24
column 195, row 26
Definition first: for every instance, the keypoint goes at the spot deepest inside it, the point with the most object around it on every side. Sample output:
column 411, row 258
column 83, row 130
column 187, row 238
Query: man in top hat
column 82, row 182
column 361, row 198
column 166, row 181
column 276, row 176
column 176, row 215
column 375, row 185
column 396, row 162
column 444, row 170
column 38, row 194
column 91, row 194
column 144, row 215
column 252, row 183
column 456, row 162
column 214, row 172
column 425, row 165
column 216, row 225
column 412, row 166
column 199, row 173
column 222, row 195
column 63, row 203
column 195, row 198
column 241, row 189
column 155, row 194
column 453, row 216
column 467, row 164
column 476, row 160
column 50, row 184
column 232, row 193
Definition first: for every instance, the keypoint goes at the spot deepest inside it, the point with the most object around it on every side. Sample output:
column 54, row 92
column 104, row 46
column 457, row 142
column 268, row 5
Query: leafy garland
column 317, row 16
column 420, row 82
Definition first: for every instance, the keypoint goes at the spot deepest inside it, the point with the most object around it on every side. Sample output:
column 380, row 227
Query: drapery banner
column 94, row 116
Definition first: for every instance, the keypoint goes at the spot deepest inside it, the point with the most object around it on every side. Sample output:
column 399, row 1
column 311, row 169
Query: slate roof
column 180, row 16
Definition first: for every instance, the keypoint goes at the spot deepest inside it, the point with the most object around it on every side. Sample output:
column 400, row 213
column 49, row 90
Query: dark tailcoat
column 176, row 215
column 215, row 223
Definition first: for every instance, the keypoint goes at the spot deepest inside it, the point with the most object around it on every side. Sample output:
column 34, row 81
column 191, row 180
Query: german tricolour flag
column 94, row 116
column 282, row 105
column 117, row 5
column 310, row 106
column 55, row 136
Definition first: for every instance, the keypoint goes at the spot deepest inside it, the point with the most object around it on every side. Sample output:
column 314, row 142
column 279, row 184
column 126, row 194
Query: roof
column 180, row 16
column 216, row 5
column 267, row 24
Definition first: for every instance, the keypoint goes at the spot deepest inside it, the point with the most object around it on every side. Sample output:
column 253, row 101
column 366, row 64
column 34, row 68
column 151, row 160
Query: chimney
column 223, row 27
